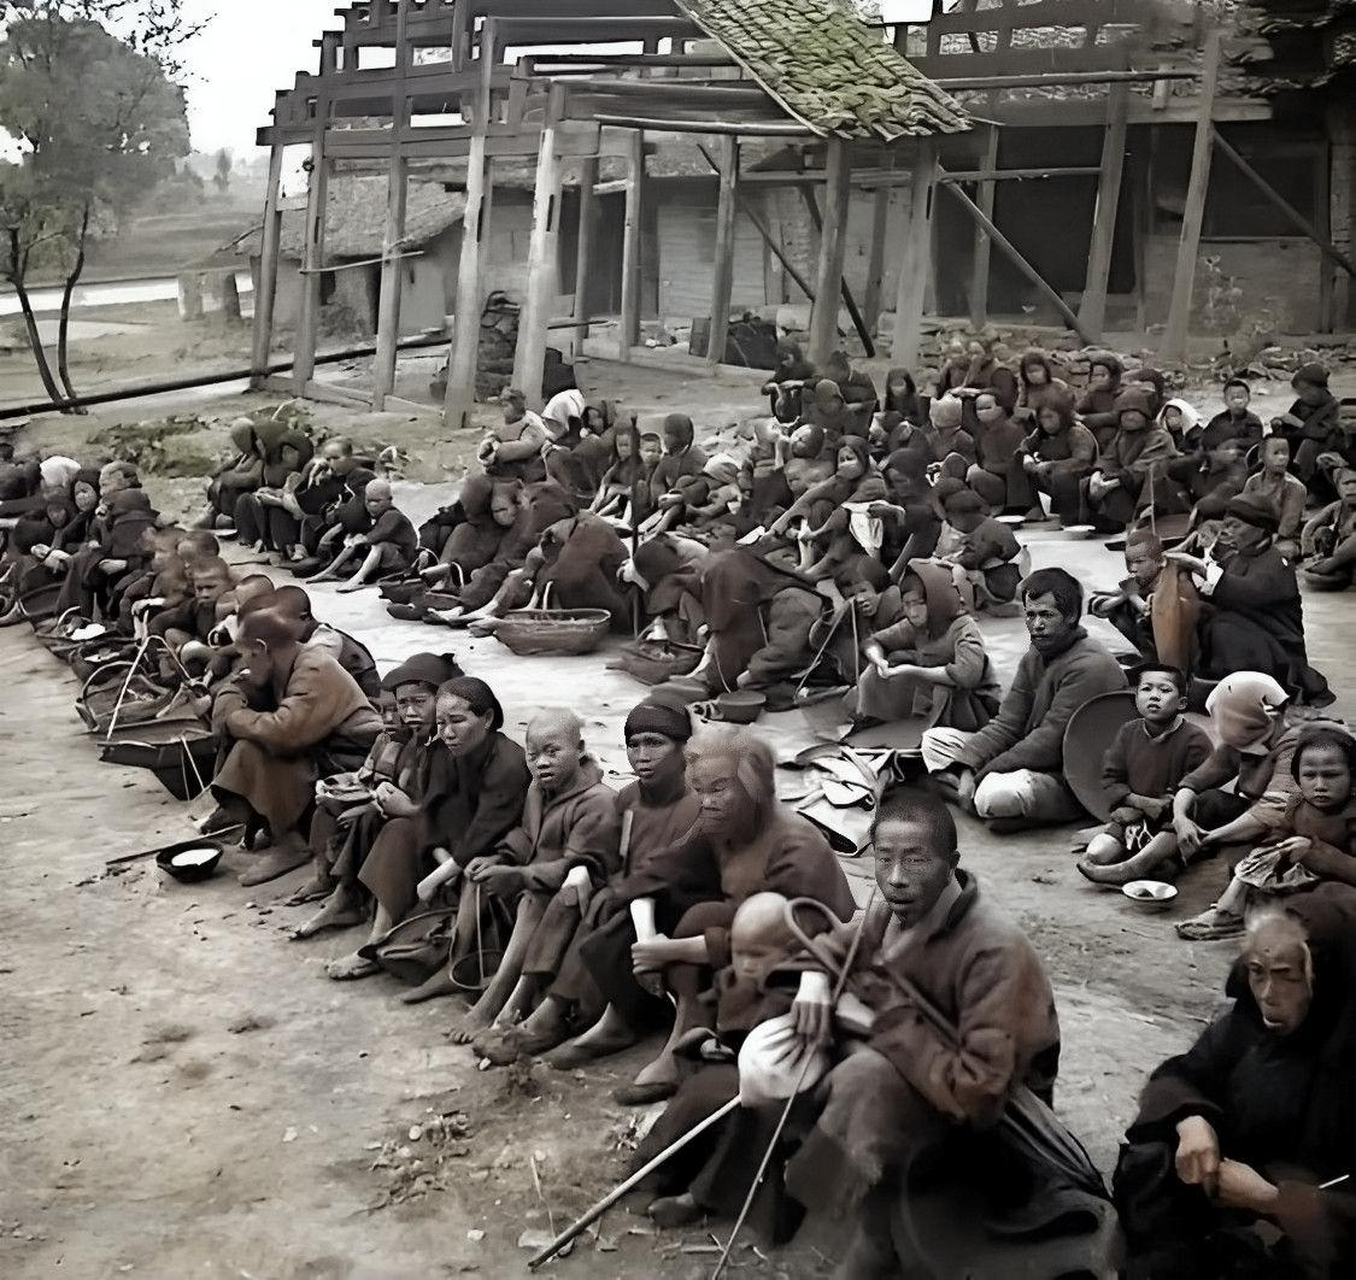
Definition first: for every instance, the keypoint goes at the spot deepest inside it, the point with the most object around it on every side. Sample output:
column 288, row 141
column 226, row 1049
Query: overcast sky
column 254, row 48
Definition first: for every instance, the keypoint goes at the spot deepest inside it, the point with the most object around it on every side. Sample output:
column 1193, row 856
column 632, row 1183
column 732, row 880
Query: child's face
column 416, row 705
column 504, row 509
column 849, row 465
column 514, row 409
column 752, row 957
column 1142, row 565
column 208, row 586
column 1099, row 377
column 802, row 442
column 1036, row 374
column 676, row 439
column 624, row 446
column 1275, row 455
column 1172, row 417
column 1052, row 423
column 916, row 607
column 651, row 450
column 390, row 713
column 1346, row 489
column 378, row 504
column 162, row 559
column 1157, row 698
column 1325, row 777
column 86, row 497
column 553, row 755
column 1311, row 393
column 1237, row 399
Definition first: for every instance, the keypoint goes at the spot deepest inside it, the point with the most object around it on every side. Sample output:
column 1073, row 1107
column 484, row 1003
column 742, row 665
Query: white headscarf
column 57, row 473
column 563, row 406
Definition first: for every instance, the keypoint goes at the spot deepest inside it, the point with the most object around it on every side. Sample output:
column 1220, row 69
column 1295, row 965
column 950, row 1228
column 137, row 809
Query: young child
column 1179, row 419
column 164, row 585
column 1313, row 423
column 1132, row 471
column 389, row 546
column 513, row 450
column 1329, row 538
column 952, row 446
column 1097, row 409
column 1141, row 771
column 982, row 547
column 1287, row 494
column 807, row 463
column 1127, row 608
column 1058, row 457
column 1316, row 843
column 1235, row 422
column 930, row 662
column 621, row 480
column 999, row 477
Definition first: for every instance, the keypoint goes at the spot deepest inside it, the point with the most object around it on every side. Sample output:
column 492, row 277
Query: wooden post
column 1092, row 309
column 875, row 268
column 916, row 260
column 266, row 289
column 317, row 208
column 1193, row 218
column 583, row 261
column 722, row 284
column 832, row 252
column 397, row 194
column 464, row 356
column 979, row 266
column 543, row 282
column 629, row 332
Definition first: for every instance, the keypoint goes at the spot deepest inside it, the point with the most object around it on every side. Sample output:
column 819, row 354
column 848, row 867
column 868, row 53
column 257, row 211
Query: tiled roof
column 828, row 68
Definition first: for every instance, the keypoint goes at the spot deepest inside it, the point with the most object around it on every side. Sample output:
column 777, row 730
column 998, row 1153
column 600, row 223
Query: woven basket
column 536, row 631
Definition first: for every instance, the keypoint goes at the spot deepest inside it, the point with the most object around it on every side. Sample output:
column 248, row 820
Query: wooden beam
column 875, row 267
column 915, row 261
column 464, row 355
column 722, row 282
column 543, row 276
column 583, row 258
column 266, row 287
column 738, row 128
column 990, row 174
column 1329, row 250
column 845, row 290
column 1092, row 309
column 979, row 266
column 832, row 252
column 1193, row 217
column 628, row 334
column 1018, row 260
column 313, row 259
column 397, row 200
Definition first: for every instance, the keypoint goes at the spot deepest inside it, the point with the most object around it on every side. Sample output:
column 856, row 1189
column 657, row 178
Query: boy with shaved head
column 569, row 831
column 291, row 716
column 389, row 546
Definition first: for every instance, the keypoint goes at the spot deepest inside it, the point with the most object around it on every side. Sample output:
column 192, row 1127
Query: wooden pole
column 850, row 302
column 832, row 252
column 916, row 259
column 266, row 290
column 465, row 353
column 397, row 194
column 1193, row 218
column 583, row 259
column 875, row 268
column 313, row 258
column 629, row 333
column 543, row 282
column 1092, row 309
column 1014, row 255
column 979, row 267
column 722, row 284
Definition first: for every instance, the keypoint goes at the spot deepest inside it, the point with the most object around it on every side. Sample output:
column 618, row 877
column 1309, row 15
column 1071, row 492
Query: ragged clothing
column 576, row 827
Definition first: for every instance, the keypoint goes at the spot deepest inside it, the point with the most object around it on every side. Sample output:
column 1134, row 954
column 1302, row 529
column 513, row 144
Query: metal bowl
column 1151, row 895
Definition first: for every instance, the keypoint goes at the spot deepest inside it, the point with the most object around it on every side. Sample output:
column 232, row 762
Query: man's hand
column 477, row 868
column 812, row 1009
column 1198, row 1163
column 1190, row 836
column 1240, row 1186
column 502, row 880
column 1192, row 564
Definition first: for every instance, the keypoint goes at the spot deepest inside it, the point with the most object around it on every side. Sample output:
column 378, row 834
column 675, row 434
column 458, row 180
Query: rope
column 122, row 693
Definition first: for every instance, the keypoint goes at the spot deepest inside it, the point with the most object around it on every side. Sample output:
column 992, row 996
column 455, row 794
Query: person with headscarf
column 1132, row 473
column 1256, row 617
column 952, row 445
column 1097, row 407
column 759, row 618
column 1039, row 385
column 1059, row 455
column 115, row 545
column 668, row 570
column 856, row 389
column 854, row 479
column 653, row 813
column 931, row 664
column 576, row 565
column 998, row 476
column 790, row 373
column 838, row 522
column 901, row 397
column 1181, row 420
column 1239, row 1161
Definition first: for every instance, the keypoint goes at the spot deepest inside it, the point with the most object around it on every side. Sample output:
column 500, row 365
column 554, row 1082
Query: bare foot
column 272, row 864
column 339, row 912
column 439, row 985
column 353, row 584
column 472, row 1025
column 351, row 968
column 317, row 888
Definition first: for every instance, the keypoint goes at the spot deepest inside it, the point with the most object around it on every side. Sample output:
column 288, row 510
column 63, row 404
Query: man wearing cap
column 1255, row 619
column 653, row 813
column 1313, row 424
column 512, row 451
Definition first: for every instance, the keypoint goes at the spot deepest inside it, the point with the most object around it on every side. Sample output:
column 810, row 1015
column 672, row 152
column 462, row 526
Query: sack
column 776, row 1064
column 417, row 947
column 843, row 788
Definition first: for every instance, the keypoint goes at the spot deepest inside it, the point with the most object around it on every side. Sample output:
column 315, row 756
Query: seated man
column 957, row 1024
column 569, row 833
column 1011, row 771
column 294, row 604
column 292, row 716
column 654, row 812
column 1256, row 618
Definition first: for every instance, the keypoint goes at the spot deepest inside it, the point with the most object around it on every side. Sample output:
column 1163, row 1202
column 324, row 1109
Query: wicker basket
column 536, row 631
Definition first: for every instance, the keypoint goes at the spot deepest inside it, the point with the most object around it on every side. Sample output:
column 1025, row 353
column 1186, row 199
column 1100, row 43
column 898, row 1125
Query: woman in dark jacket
column 1256, row 1123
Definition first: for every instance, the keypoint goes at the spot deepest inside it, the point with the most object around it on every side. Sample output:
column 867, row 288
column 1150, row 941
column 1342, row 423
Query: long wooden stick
column 576, row 1229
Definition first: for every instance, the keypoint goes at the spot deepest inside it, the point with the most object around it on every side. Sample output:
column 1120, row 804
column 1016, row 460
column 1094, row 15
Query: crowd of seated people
column 849, row 543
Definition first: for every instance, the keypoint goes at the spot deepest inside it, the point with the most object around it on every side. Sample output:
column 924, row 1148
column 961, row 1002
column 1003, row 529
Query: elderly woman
column 743, row 842
column 1238, row 1163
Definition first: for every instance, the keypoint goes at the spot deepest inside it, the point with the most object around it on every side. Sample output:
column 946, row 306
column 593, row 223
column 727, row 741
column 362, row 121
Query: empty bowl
column 742, row 707
column 1152, row 895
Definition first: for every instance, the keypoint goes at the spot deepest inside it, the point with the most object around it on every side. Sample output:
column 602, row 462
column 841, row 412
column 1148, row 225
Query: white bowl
column 1152, row 895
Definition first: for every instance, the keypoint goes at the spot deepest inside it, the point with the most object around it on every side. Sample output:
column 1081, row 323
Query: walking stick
column 578, row 1228
column 839, row 987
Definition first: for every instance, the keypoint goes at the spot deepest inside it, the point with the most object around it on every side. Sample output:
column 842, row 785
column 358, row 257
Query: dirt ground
column 183, row 1093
